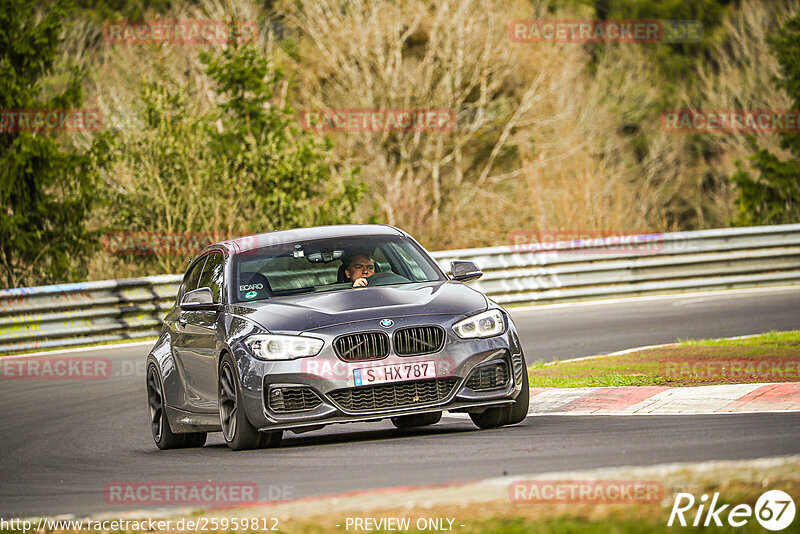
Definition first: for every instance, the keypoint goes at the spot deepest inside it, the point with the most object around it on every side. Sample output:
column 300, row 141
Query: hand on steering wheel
column 378, row 276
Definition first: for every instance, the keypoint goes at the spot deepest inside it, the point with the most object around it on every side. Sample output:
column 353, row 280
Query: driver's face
column 360, row 267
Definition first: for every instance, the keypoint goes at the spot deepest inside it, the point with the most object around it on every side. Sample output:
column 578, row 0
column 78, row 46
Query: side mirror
column 199, row 299
column 464, row 271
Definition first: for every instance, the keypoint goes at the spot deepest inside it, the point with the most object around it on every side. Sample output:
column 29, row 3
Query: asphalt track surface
column 62, row 442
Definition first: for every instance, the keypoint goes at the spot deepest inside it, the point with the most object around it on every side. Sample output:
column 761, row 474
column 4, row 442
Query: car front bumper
column 327, row 376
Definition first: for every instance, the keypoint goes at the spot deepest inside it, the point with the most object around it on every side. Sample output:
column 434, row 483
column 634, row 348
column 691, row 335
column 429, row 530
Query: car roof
column 280, row 237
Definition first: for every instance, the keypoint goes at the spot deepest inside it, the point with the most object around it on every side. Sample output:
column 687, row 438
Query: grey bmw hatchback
column 298, row 329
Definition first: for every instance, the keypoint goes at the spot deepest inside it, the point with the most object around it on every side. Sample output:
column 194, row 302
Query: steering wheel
column 385, row 278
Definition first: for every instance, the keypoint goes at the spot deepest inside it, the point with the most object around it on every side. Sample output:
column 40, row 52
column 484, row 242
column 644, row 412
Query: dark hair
column 349, row 258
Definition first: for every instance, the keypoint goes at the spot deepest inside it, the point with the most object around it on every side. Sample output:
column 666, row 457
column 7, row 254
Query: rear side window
column 212, row 276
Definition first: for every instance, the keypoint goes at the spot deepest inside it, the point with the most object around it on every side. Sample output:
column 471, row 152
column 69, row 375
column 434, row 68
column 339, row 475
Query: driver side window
column 192, row 277
column 212, row 276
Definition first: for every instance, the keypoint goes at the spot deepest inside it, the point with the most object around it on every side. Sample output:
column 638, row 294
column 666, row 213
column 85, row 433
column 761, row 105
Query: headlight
column 275, row 347
column 487, row 324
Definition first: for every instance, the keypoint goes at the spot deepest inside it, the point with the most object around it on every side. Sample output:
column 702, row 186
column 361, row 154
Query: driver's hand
column 361, row 282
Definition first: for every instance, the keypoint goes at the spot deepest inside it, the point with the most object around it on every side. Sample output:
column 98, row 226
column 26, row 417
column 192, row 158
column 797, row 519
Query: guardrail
column 526, row 273
column 655, row 263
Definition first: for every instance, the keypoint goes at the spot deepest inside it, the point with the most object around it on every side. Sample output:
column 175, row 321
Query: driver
column 359, row 268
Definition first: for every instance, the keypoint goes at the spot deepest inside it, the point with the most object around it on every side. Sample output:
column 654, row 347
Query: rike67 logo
column 774, row 510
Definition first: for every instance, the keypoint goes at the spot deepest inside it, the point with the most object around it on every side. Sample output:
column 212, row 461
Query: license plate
column 398, row 372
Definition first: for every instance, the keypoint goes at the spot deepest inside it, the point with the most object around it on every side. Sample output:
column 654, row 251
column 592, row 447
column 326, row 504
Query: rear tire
column 163, row 435
column 419, row 419
column 239, row 434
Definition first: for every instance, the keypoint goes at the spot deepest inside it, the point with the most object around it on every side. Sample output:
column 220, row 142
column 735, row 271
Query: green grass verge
column 770, row 357
column 789, row 338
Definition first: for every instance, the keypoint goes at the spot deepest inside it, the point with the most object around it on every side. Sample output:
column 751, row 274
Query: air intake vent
column 362, row 347
column 418, row 340
column 292, row 399
column 491, row 376
column 399, row 394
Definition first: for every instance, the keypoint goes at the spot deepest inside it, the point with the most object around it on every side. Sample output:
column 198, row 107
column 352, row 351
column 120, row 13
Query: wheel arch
column 161, row 356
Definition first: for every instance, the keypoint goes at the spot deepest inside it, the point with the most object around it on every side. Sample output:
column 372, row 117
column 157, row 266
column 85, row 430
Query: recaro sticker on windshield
column 250, row 294
column 248, row 287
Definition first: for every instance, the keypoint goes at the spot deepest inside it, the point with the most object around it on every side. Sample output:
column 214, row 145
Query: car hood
column 302, row 313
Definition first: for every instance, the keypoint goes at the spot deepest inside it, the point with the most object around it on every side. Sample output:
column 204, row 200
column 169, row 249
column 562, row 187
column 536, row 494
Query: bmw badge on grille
column 386, row 323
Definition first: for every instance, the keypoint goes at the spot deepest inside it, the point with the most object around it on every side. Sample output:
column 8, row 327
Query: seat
column 340, row 276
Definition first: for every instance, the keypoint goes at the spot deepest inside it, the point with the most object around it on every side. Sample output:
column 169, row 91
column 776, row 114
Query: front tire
column 163, row 435
column 270, row 440
column 518, row 411
column 490, row 418
column 509, row 415
column 239, row 434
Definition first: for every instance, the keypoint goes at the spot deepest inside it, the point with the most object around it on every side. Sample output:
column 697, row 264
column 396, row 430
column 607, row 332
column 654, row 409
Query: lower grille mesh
column 489, row 377
column 367, row 398
column 292, row 399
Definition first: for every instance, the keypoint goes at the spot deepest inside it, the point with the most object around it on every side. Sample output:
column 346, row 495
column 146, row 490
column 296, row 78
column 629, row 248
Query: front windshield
column 330, row 265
